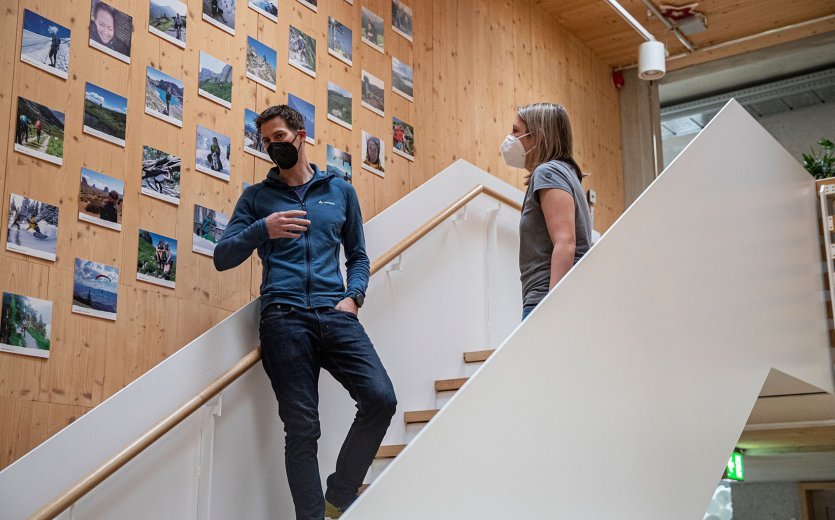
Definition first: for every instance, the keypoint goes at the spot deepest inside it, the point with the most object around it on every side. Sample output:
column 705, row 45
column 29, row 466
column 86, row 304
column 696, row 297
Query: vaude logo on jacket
column 329, row 203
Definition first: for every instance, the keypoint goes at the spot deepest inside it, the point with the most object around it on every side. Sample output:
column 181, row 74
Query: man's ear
column 303, row 134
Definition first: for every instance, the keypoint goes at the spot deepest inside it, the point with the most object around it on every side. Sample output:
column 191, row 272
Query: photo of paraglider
column 45, row 44
column 157, row 259
column 95, row 289
column 32, row 228
column 110, row 30
column 25, row 325
column 39, row 131
column 208, row 227
column 213, row 151
column 160, row 175
column 100, row 199
column 164, row 97
column 339, row 163
column 167, row 19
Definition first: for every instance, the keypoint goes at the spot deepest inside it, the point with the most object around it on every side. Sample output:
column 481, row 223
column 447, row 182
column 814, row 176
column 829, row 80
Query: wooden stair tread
column 389, row 451
column 478, row 356
column 420, row 416
column 444, row 385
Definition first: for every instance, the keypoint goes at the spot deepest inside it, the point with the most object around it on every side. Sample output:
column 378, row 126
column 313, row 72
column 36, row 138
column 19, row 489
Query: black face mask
column 283, row 154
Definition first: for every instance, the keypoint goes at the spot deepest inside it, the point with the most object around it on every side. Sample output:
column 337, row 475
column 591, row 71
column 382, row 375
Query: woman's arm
column 558, row 209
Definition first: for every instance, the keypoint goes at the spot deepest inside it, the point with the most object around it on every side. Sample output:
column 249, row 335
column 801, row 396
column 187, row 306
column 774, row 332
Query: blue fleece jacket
column 302, row 272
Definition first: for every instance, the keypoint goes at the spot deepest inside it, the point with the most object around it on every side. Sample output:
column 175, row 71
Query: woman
column 555, row 228
column 372, row 154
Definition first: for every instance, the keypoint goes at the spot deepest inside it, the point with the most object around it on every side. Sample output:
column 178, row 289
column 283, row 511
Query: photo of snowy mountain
column 32, row 227
column 268, row 8
column 213, row 151
column 45, row 44
column 252, row 137
column 207, row 228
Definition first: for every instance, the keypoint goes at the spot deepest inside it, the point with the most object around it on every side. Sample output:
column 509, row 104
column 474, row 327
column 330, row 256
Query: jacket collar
column 275, row 181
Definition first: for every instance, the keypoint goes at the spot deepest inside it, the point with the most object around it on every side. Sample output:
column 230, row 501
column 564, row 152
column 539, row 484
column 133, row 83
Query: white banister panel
column 624, row 393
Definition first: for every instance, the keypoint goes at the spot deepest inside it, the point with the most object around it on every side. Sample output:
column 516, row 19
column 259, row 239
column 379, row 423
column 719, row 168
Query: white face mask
column 513, row 152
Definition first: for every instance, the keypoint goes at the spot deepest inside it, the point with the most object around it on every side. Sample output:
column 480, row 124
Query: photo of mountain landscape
column 105, row 114
column 260, row 63
column 163, row 96
column 215, row 80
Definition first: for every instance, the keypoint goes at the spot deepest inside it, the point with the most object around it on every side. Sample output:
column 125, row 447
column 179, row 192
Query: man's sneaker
column 331, row 511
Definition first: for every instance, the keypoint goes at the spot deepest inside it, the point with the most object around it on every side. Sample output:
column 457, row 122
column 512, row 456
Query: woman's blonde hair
column 550, row 130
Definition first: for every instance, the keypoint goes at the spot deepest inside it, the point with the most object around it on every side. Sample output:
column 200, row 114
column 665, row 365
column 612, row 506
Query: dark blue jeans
column 526, row 309
column 295, row 344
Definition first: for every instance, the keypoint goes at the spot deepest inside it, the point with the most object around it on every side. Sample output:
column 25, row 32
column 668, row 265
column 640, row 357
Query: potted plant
column 821, row 164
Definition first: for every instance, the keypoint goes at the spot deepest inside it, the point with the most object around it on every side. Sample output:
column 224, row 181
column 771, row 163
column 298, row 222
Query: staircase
column 620, row 396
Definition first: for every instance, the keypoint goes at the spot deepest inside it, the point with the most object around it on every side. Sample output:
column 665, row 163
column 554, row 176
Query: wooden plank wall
column 474, row 61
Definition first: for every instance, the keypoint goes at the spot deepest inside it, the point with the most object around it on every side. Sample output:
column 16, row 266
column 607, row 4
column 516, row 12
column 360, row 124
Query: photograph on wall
column 339, row 41
column 302, row 51
column 111, row 30
column 168, row 21
column 340, row 105
column 39, row 131
column 45, row 44
column 100, row 199
column 105, row 114
column 164, row 97
column 268, row 8
column 310, row 4
column 160, row 175
column 339, row 163
column 260, row 63
column 25, row 325
column 373, row 93
column 308, row 112
column 373, row 154
column 157, row 259
column 213, row 151
column 32, row 227
column 221, row 14
column 401, row 79
column 215, row 80
column 403, row 139
column 372, row 30
column 252, row 137
column 208, row 227
column 401, row 19
column 95, row 289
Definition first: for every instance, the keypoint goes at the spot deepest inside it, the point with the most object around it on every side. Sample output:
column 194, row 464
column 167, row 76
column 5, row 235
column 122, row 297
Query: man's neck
column 299, row 174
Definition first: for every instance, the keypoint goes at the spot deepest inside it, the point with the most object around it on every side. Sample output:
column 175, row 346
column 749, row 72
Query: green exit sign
column 735, row 469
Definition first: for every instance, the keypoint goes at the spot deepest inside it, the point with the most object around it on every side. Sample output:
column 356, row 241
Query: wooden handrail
column 75, row 492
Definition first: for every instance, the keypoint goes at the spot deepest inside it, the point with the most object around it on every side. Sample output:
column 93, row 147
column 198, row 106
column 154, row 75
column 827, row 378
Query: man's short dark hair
column 291, row 116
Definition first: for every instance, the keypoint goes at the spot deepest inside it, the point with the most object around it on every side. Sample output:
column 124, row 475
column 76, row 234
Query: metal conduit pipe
column 631, row 20
column 681, row 37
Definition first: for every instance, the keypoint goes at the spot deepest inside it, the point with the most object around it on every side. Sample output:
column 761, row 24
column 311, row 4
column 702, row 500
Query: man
column 108, row 211
column 297, row 219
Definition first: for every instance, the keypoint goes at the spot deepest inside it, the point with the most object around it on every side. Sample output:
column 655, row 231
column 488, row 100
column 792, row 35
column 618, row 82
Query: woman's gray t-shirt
column 535, row 246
